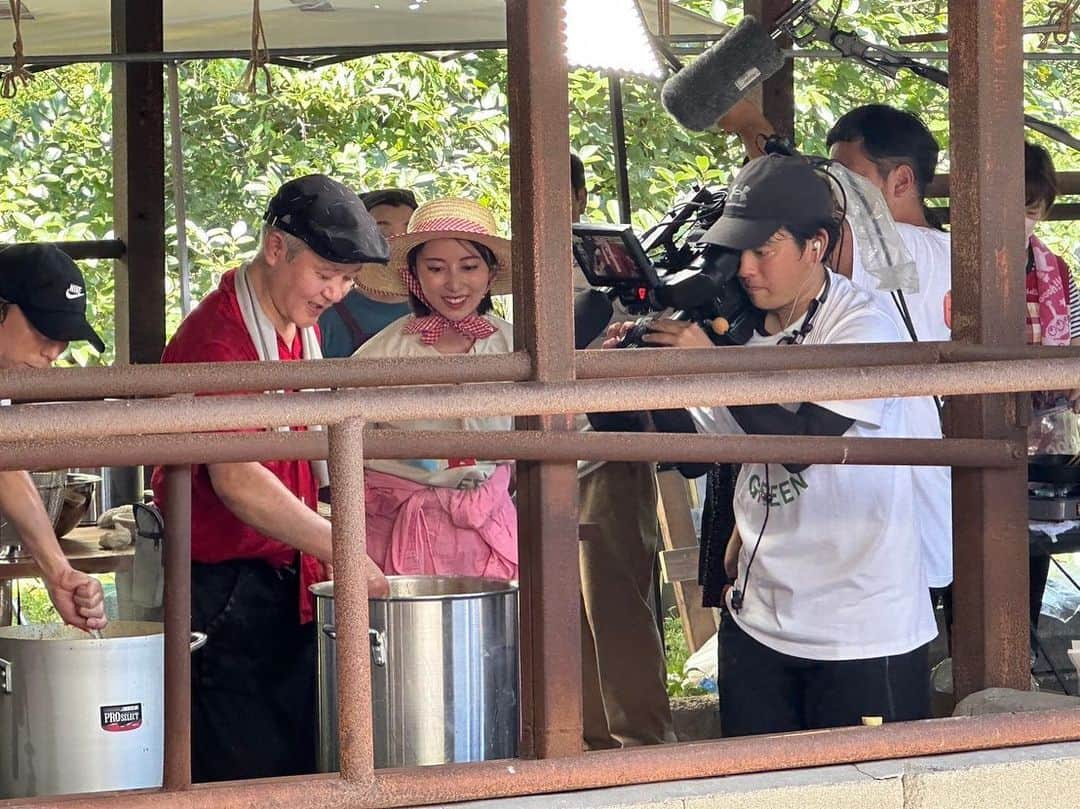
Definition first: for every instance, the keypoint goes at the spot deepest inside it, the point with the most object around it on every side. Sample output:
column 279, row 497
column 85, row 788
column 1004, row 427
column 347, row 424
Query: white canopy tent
column 58, row 28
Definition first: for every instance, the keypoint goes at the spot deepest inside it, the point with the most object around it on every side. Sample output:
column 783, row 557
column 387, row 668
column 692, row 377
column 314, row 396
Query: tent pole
column 618, row 136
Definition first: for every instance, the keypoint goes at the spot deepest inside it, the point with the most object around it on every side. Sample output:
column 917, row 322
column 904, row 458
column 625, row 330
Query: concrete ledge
column 1018, row 778
column 1035, row 777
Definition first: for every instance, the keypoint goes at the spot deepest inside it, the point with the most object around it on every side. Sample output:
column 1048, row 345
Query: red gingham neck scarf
column 431, row 327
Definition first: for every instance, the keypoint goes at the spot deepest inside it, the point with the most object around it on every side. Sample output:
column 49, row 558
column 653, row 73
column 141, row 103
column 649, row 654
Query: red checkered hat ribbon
column 431, row 327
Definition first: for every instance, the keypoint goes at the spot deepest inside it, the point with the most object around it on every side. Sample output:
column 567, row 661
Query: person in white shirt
column 828, row 621
column 896, row 152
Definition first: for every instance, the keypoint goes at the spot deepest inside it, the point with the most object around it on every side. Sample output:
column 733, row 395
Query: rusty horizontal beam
column 53, row 384
column 49, row 384
column 611, row 768
column 207, row 413
column 196, row 448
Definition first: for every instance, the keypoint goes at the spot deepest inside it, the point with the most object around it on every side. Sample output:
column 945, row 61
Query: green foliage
column 677, row 653
column 438, row 125
column 33, row 603
column 35, row 607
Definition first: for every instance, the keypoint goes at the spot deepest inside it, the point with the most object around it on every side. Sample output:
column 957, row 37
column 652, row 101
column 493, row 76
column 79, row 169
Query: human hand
column 743, row 117
column 616, row 333
column 676, row 334
column 1074, row 400
column 78, row 598
column 377, row 584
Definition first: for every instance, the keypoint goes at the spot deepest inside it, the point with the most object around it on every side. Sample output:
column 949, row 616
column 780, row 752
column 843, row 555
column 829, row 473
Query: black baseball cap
column 398, row 197
column 771, row 192
column 329, row 218
column 43, row 281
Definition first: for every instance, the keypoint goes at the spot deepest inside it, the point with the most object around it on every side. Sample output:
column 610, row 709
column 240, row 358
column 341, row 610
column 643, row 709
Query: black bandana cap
column 329, row 218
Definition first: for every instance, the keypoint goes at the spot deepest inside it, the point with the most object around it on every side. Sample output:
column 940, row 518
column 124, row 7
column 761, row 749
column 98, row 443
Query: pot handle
column 198, row 640
column 378, row 647
column 6, row 684
column 377, row 639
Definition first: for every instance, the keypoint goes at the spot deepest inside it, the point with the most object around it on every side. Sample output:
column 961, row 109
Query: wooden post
column 677, row 533
column 139, row 182
column 776, row 95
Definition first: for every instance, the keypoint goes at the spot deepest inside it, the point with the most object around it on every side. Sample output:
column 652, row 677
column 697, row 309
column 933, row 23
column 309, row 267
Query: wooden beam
column 776, row 96
column 139, row 182
column 1068, row 185
column 677, row 533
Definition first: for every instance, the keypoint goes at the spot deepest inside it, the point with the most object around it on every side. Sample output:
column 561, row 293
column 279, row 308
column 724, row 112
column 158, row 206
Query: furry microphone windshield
column 702, row 92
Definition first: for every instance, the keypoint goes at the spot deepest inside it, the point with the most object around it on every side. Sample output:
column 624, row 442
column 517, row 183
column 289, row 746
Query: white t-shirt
column 930, row 250
column 456, row 473
column 838, row 574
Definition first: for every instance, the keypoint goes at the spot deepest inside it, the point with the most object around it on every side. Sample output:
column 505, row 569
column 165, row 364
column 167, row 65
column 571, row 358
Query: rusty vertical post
column 177, row 554
column 350, row 601
column 777, row 93
column 990, row 639
column 544, row 326
column 138, row 91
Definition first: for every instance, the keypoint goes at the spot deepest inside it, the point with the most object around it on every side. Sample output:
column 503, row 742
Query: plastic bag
column 882, row 250
column 701, row 668
column 1054, row 429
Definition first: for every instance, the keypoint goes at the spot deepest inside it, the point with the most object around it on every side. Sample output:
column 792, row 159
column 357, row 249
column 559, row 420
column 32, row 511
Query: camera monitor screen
column 611, row 255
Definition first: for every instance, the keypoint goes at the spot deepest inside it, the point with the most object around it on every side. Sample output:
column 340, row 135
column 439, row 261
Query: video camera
column 671, row 269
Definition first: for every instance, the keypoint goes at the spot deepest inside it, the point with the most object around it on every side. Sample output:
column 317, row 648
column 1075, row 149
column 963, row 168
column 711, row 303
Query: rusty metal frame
column 544, row 381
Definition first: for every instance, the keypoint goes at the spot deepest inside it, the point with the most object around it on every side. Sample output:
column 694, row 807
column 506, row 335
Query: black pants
column 763, row 691
column 253, row 684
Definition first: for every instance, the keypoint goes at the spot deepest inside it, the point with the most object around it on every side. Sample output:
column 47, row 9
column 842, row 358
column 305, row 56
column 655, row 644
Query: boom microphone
column 699, row 94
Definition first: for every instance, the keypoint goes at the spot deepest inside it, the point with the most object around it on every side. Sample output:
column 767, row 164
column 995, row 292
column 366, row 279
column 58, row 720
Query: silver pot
column 444, row 671
column 50, row 485
column 79, row 714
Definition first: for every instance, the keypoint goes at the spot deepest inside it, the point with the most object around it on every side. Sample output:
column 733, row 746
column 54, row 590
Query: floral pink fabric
column 1048, row 299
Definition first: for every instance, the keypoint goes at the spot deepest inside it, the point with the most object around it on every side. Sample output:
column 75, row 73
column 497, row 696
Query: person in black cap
column 828, row 619
column 357, row 318
column 42, row 309
column 257, row 539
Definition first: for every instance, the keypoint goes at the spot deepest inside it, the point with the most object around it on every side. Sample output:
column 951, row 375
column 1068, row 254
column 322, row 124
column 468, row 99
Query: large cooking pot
column 444, row 671
column 78, row 714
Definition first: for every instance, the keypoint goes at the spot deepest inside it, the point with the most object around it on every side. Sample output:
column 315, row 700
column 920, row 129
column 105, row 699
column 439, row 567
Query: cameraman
column 828, row 620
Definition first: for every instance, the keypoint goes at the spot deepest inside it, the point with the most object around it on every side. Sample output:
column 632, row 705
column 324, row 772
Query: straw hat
column 448, row 218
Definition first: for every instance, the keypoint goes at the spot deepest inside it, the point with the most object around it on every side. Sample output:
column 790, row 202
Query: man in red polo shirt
column 257, row 541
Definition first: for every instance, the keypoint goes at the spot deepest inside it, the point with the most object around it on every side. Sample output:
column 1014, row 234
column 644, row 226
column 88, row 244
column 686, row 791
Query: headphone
column 817, row 246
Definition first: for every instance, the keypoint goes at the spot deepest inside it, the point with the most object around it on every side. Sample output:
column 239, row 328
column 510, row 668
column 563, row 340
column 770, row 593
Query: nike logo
column 74, row 292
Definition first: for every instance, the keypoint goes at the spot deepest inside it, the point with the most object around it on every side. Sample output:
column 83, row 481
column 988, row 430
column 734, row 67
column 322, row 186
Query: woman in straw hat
column 446, row 516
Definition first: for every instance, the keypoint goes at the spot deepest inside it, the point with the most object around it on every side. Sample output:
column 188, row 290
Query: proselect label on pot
column 121, row 718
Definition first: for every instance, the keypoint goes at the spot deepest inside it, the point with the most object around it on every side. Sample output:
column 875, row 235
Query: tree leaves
column 436, row 125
